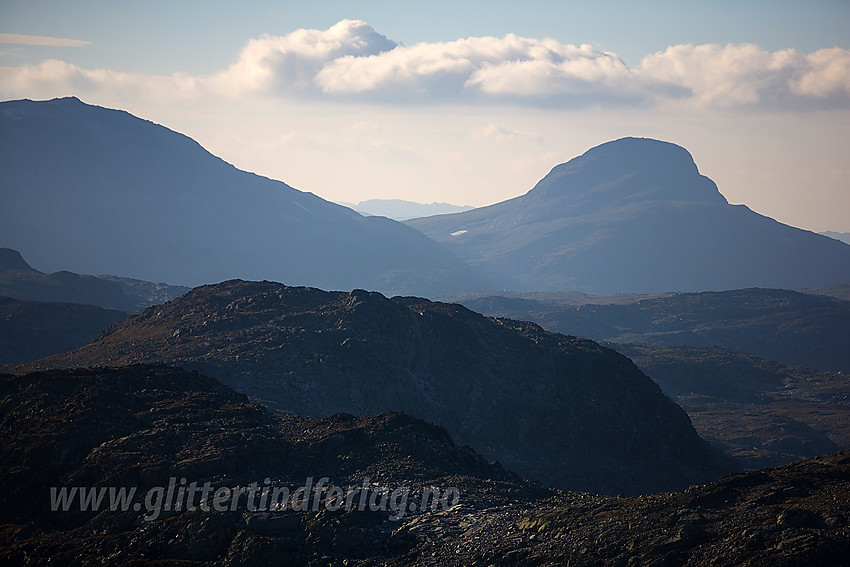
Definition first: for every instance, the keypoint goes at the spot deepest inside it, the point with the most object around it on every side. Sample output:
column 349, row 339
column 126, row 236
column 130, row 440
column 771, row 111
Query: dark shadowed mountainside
column 554, row 408
column 141, row 426
column 100, row 191
column 635, row 216
column 21, row 281
column 760, row 411
column 799, row 329
column 30, row 330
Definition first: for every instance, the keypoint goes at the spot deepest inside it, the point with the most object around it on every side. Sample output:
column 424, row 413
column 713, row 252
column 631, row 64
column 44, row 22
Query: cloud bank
column 351, row 61
column 24, row 39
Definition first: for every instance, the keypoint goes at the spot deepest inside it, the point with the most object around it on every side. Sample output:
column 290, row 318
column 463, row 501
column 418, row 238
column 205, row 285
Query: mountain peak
column 635, row 215
column 629, row 170
column 632, row 152
column 67, row 100
column 12, row 260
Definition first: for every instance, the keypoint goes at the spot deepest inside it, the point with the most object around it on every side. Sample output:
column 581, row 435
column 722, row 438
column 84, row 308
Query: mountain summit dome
column 626, row 171
column 635, row 216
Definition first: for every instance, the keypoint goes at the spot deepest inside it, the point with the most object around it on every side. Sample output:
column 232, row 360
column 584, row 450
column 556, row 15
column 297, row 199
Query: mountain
column 635, row 216
column 760, row 411
column 842, row 236
column 100, row 191
column 794, row 328
column 30, row 330
column 141, row 426
column 19, row 280
column 404, row 210
column 553, row 408
column 837, row 291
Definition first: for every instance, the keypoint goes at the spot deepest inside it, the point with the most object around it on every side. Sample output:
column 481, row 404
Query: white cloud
column 351, row 61
column 745, row 75
column 58, row 78
column 502, row 133
column 24, row 39
column 290, row 63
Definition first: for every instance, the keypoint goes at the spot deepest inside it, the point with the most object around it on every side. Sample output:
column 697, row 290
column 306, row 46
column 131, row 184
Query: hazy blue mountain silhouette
column 842, row 236
column 94, row 190
column 19, row 280
column 635, row 215
column 399, row 209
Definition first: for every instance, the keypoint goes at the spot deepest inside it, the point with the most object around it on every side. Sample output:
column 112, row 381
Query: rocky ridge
column 140, row 425
column 554, row 408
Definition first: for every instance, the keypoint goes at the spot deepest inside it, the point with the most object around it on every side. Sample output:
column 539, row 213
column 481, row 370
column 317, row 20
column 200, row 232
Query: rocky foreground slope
column 141, row 426
column 554, row 408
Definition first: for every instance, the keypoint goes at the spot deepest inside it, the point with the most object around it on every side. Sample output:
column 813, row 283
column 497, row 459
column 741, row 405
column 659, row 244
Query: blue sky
column 465, row 102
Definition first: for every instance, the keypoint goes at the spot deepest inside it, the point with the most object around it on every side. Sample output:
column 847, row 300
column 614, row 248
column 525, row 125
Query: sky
column 471, row 102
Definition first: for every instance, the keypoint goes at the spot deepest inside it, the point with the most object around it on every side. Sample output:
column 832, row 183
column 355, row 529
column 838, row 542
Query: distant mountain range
column 98, row 191
column 43, row 314
column 842, row 236
column 401, row 210
column 19, row 280
column 787, row 326
column 557, row 409
column 94, row 190
column 635, row 215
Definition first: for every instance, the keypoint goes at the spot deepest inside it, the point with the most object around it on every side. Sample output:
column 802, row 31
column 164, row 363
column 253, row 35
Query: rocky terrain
column 797, row 514
column 139, row 426
column 697, row 348
column 557, row 409
column 760, row 411
column 635, row 216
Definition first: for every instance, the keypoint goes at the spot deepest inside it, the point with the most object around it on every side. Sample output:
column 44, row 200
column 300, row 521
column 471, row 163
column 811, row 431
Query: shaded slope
column 760, row 411
column 140, row 426
column 555, row 408
column 634, row 215
column 788, row 326
column 100, row 191
column 30, row 330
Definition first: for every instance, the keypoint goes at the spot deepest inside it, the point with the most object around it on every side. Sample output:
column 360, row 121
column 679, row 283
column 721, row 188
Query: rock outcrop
column 554, row 408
